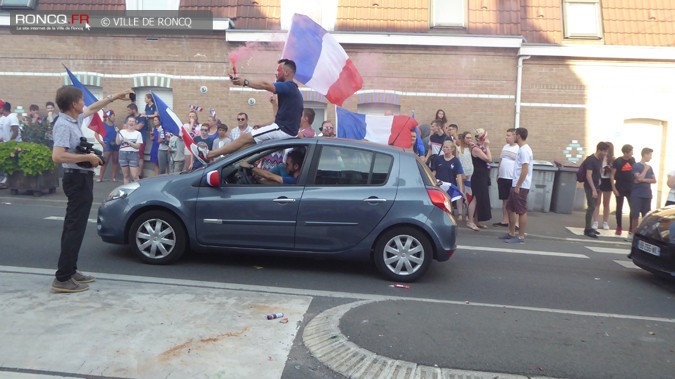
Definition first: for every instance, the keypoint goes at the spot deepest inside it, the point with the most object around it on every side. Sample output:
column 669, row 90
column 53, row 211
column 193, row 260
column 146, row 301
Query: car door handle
column 283, row 200
column 375, row 200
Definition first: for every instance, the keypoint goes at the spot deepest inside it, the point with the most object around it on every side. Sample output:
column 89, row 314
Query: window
column 448, row 13
column 379, row 109
column 323, row 12
column 583, row 19
column 319, row 114
column 347, row 166
column 152, row 5
column 166, row 94
column 17, row 4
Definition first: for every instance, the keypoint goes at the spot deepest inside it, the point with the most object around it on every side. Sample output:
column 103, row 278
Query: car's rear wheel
column 158, row 237
column 403, row 254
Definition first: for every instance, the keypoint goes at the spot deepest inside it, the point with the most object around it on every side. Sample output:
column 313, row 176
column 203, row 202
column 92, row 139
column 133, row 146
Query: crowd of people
column 464, row 160
column 626, row 179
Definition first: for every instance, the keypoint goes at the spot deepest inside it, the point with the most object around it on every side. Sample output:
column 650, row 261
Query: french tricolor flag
column 387, row 130
column 171, row 123
column 95, row 121
column 322, row 63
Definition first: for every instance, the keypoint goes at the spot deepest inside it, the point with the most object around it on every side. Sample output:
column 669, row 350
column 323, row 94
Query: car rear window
column 348, row 166
column 425, row 172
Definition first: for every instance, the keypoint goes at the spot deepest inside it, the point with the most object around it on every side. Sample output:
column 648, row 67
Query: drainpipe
column 519, row 84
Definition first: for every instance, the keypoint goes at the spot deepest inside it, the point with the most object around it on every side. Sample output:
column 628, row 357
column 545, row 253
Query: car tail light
column 440, row 199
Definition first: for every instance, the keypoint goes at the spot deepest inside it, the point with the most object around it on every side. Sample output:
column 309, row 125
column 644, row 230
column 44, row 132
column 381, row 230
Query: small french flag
column 195, row 108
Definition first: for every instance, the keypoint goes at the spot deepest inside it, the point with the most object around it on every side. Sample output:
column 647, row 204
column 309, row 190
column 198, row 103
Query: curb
column 325, row 341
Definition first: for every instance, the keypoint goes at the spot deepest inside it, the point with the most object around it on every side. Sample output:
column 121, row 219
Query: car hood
column 659, row 225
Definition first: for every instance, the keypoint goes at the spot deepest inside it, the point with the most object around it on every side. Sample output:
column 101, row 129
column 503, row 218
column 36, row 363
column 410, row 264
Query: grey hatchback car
column 352, row 199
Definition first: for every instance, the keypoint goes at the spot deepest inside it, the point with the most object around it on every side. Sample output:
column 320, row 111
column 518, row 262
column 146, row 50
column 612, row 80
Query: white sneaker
column 595, row 225
column 605, row 226
column 629, row 237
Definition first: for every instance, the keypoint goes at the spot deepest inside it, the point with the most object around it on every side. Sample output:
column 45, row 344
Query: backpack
column 581, row 173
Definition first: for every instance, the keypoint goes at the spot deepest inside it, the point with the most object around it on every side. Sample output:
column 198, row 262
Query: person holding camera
column 130, row 141
column 78, row 182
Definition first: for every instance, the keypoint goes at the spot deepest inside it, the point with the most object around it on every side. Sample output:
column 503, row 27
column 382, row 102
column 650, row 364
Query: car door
column 348, row 196
column 248, row 215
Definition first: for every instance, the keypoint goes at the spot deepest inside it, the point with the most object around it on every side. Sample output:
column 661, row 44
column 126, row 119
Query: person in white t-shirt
column 671, row 184
column 522, row 179
column 130, row 141
column 9, row 124
column 507, row 164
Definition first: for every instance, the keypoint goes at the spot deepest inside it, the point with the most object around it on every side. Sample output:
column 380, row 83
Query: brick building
column 574, row 72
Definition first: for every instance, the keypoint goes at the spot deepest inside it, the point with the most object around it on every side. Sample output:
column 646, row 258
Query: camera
column 87, row 148
column 132, row 97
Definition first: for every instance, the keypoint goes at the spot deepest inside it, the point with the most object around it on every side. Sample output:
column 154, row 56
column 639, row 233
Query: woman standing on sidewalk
column 110, row 147
column 464, row 156
column 605, row 192
column 480, row 182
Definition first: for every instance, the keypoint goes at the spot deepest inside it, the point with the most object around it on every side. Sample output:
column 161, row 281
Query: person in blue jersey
column 289, row 106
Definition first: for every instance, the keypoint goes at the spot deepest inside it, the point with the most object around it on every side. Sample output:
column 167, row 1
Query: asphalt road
column 558, row 311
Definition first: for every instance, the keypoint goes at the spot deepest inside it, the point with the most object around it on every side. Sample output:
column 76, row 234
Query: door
column 248, row 215
column 348, row 196
column 641, row 133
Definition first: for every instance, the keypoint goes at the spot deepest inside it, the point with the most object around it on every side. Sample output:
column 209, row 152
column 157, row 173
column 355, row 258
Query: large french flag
column 95, row 121
column 171, row 123
column 322, row 64
column 387, row 130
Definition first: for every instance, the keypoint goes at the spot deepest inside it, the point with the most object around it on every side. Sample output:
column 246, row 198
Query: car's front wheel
column 403, row 254
column 158, row 237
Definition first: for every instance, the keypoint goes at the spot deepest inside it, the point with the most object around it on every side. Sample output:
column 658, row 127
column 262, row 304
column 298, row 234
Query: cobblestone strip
column 325, row 341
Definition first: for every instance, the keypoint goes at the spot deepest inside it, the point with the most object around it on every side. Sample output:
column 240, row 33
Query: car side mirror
column 213, row 178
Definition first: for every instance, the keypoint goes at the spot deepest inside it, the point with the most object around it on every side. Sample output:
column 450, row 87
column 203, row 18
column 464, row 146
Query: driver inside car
column 293, row 165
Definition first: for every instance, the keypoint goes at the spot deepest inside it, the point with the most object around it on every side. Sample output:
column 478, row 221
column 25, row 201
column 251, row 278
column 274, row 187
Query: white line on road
column 627, row 264
column 60, row 218
column 608, row 250
column 519, row 251
column 322, row 293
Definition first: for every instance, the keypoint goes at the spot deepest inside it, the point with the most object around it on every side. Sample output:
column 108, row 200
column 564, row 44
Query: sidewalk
column 137, row 327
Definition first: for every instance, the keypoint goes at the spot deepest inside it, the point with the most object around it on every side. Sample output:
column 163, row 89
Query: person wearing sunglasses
column 202, row 141
column 327, row 129
column 242, row 126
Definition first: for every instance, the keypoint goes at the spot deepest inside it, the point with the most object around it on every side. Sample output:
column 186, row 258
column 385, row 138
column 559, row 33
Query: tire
column 403, row 254
column 144, row 237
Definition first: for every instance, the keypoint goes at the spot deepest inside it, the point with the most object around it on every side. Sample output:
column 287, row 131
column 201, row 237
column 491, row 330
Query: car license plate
column 649, row 248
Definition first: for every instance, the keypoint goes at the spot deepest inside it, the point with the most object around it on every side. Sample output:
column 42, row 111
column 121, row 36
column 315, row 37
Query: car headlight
column 123, row 191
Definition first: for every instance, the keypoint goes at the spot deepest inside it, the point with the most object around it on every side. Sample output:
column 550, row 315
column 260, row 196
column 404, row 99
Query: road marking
column 603, row 233
column 627, row 264
column 519, row 251
column 608, row 250
column 60, row 218
column 323, row 293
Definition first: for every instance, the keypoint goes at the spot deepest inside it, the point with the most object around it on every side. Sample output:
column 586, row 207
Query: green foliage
column 27, row 157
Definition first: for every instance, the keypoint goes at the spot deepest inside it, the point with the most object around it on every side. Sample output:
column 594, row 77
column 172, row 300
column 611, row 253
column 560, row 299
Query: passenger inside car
column 292, row 166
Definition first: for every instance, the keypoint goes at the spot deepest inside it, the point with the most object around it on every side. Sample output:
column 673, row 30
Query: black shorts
column 606, row 185
column 504, row 186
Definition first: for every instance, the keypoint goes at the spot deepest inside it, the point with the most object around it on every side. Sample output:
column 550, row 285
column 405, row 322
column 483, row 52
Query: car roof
column 362, row 144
